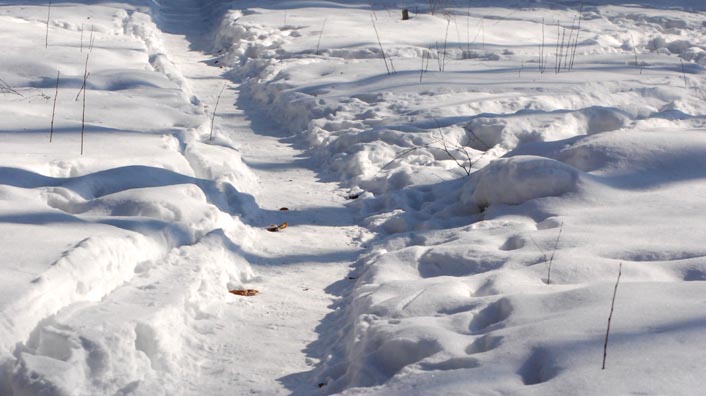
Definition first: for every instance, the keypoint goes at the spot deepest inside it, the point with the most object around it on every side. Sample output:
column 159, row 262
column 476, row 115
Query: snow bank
column 113, row 258
column 474, row 171
column 516, row 180
column 137, row 338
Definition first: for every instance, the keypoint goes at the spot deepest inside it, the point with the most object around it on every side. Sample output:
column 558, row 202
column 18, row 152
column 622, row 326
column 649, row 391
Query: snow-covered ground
column 461, row 187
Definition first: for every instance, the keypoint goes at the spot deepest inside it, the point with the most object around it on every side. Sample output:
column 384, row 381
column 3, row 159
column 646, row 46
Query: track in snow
column 262, row 344
column 146, row 311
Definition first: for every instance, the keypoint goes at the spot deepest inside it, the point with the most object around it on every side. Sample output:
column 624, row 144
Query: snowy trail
column 186, row 221
column 262, row 344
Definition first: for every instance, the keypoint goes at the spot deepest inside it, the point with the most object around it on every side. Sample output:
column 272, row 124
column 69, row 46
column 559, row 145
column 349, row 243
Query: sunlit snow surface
column 469, row 160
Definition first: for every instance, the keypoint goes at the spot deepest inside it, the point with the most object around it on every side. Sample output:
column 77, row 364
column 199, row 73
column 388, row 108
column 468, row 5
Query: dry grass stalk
column 321, row 33
column 46, row 36
column 53, row 110
column 215, row 108
column 610, row 316
column 551, row 259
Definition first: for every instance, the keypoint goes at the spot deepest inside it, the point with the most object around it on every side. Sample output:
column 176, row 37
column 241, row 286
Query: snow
column 457, row 205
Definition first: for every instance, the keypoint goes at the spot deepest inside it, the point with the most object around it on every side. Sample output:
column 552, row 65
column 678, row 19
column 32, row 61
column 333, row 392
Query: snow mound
column 516, row 180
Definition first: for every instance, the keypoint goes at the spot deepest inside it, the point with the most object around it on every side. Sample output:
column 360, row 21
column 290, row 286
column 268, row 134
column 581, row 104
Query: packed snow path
column 159, row 319
column 262, row 346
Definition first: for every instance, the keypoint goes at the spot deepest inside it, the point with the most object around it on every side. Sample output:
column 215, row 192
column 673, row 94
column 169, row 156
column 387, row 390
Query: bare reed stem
column 213, row 115
column 610, row 316
column 53, row 110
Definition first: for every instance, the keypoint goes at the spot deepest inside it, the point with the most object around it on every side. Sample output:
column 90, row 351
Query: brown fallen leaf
column 275, row 227
column 244, row 292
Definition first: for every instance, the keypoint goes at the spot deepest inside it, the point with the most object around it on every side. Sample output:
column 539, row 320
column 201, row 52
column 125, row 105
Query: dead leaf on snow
column 275, row 227
column 245, row 292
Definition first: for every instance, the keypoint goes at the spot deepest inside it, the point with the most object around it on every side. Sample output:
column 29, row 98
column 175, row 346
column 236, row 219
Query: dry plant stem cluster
column 566, row 46
column 81, row 91
column 542, row 57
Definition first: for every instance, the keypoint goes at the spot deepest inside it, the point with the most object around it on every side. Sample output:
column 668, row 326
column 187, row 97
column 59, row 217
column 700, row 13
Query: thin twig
column 576, row 40
column 541, row 51
column 382, row 50
column 558, row 47
column 85, row 70
column 402, row 154
column 421, row 70
column 321, row 33
column 544, row 254
column 610, row 316
column 53, row 110
column 213, row 115
column 551, row 259
column 446, row 39
column 46, row 36
column 683, row 72
column 83, row 115
column 487, row 146
column 6, row 88
column 459, row 148
column 468, row 28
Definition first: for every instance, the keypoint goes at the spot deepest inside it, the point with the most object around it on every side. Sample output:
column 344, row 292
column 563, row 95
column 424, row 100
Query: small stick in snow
column 213, row 115
column 544, row 254
column 421, row 71
column 473, row 134
column 53, row 110
column 445, row 147
column 46, row 36
column 85, row 70
column 558, row 47
column 551, row 259
column 683, row 73
column 6, row 88
column 468, row 28
column 519, row 71
column 541, row 51
column 84, row 88
column 83, row 115
column 382, row 50
column 446, row 40
column 610, row 316
column 321, row 33
column 576, row 40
